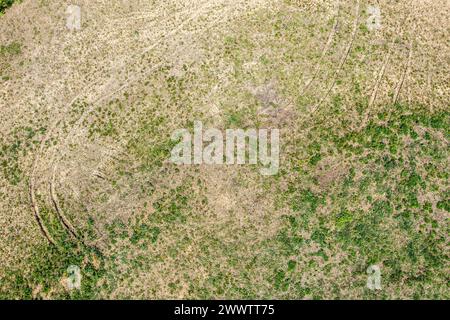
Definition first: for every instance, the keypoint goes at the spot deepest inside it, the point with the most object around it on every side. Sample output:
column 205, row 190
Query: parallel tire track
column 201, row 9
column 326, row 48
column 343, row 59
column 47, row 137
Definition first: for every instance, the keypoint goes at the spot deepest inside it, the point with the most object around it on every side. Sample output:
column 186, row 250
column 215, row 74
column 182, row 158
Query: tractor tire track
column 32, row 184
column 343, row 59
column 325, row 49
column 404, row 74
column 202, row 10
column 65, row 222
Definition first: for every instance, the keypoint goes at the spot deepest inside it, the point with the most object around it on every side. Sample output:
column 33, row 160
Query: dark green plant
column 4, row 4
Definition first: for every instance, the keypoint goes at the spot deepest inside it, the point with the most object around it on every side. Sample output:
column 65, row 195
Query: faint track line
column 308, row 115
column 37, row 215
column 343, row 59
column 70, row 135
column 325, row 49
column 37, row 158
column 405, row 72
column 380, row 75
column 59, row 212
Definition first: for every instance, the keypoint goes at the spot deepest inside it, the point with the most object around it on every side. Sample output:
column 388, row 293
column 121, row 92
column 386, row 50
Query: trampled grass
column 87, row 118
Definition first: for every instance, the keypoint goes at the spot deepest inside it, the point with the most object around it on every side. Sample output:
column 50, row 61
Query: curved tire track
column 201, row 9
column 47, row 137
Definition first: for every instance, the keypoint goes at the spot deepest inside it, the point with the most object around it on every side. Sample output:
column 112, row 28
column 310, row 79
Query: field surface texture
column 358, row 89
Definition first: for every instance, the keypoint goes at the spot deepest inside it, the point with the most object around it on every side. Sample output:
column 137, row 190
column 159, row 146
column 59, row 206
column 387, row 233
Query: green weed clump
column 399, row 157
column 4, row 4
column 48, row 266
column 24, row 139
column 13, row 48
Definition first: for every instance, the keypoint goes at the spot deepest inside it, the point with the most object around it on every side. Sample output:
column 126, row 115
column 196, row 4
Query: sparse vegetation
column 87, row 119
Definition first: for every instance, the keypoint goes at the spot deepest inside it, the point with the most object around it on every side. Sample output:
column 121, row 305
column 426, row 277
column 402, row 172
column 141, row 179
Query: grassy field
column 86, row 125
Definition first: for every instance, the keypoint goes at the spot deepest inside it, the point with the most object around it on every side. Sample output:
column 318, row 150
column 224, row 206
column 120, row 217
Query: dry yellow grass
column 86, row 118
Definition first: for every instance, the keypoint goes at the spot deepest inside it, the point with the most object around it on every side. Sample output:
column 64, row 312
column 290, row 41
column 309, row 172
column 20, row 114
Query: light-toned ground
column 86, row 118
